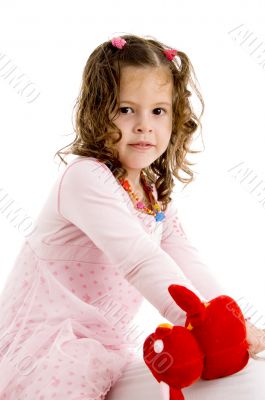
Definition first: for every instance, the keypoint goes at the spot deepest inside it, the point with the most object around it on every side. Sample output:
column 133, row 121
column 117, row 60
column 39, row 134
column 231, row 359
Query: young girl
column 107, row 237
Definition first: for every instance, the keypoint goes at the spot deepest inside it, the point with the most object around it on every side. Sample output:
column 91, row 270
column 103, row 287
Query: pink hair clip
column 170, row 54
column 118, row 42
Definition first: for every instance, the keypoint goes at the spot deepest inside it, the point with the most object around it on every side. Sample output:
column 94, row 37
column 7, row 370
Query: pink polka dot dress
column 78, row 282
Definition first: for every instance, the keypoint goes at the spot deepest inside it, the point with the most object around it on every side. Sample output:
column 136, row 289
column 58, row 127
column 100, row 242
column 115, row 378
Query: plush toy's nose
column 163, row 330
column 165, row 325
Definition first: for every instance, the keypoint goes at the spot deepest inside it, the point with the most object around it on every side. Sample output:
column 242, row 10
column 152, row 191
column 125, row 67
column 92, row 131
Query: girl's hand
column 255, row 338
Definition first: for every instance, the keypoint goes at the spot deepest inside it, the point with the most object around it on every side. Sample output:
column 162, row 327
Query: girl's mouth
column 141, row 147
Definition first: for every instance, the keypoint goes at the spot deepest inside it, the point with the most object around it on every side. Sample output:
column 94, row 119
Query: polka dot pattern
column 66, row 317
column 64, row 327
column 178, row 229
column 73, row 368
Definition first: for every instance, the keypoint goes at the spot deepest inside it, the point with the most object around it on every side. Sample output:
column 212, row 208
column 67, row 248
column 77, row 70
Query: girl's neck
column 137, row 186
column 135, row 180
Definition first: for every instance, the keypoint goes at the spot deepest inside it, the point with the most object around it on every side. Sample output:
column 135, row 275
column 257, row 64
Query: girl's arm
column 175, row 243
column 256, row 339
column 90, row 197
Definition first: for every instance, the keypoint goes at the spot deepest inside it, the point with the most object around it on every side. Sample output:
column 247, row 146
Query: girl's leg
column 137, row 382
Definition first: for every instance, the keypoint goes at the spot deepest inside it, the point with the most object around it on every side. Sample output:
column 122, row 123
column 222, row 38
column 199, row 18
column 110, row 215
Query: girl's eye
column 160, row 109
column 125, row 108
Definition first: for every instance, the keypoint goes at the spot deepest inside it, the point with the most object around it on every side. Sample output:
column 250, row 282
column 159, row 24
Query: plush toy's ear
column 169, row 393
column 189, row 302
column 175, row 394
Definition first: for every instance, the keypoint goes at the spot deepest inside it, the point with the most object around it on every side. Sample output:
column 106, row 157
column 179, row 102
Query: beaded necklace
column 156, row 209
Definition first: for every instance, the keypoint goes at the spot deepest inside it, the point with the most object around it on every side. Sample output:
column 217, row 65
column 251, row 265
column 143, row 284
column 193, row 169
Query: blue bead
column 160, row 216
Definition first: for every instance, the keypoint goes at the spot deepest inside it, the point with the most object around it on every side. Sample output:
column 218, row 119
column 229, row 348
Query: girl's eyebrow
column 155, row 104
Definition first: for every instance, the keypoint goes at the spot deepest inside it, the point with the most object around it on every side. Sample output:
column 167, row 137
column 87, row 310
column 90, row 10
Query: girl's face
column 145, row 113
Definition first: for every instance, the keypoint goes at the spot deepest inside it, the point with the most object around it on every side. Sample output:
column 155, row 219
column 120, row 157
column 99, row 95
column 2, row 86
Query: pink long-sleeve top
column 92, row 200
column 90, row 251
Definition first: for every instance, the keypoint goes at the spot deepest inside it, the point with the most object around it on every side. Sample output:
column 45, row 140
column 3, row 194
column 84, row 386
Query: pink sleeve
column 91, row 198
column 176, row 244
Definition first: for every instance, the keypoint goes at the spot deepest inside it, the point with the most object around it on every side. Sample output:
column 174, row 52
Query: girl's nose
column 143, row 125
column 143, row 129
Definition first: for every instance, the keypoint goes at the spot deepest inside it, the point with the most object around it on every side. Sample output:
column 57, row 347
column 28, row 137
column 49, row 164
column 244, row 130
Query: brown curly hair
column 98, row 98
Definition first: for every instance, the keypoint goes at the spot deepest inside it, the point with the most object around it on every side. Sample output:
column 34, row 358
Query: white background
column 222, row 213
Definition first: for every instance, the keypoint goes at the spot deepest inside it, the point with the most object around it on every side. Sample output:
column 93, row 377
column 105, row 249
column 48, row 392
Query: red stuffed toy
column 213, row 343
